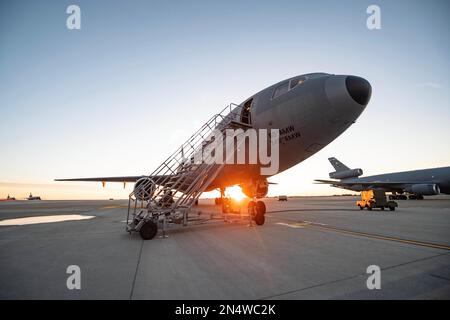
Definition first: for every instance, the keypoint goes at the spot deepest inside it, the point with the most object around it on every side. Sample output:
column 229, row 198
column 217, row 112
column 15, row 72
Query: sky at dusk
column 121, row 94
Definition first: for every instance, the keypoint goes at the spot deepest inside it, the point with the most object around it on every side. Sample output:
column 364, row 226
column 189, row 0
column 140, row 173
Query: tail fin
column 338, row 166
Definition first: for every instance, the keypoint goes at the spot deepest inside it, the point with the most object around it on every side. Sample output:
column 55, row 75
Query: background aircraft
column 416, row 183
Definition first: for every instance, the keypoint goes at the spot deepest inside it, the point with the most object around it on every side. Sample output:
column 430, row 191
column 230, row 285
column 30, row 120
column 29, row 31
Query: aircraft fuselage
column 309, row 116
column 439, row 176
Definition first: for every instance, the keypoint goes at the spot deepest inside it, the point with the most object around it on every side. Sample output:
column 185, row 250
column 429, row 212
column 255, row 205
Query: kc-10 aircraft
column 310, row 111
column 416, row 183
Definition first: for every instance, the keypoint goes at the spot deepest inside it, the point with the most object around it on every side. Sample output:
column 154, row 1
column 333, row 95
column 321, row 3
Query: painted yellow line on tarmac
column 322, row 226
column 293, row 225
column 381, row 237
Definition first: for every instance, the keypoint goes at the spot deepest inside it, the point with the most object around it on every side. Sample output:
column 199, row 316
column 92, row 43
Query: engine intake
column 424, row 189
column 352, row 173
column 144, row 189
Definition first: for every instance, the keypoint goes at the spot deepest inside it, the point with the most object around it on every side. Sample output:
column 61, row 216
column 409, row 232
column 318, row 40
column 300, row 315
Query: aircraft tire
column 260, row 207
column 148, row 230
column 260, row 218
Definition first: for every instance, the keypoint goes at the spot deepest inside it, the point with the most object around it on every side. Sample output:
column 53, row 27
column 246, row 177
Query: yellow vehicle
column 375, row 199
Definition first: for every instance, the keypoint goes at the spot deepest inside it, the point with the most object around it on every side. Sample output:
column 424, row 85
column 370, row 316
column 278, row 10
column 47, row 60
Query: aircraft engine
column 144, row 193
column 424, row 189
column 353, row 173
column 257, row 188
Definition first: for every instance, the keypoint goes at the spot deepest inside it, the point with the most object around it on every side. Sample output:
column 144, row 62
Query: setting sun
column 236, row 193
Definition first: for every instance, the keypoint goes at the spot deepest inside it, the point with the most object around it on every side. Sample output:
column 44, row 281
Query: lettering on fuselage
column 288, row 133
column 287, row 130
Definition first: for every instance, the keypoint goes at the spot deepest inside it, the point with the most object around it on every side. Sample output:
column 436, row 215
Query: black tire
column 360, row 208
column 260, row 218
column 260, row 211
column 369, row 208
column 260, row 207
column 382, row 208
column 392, row 208
column 148, row 230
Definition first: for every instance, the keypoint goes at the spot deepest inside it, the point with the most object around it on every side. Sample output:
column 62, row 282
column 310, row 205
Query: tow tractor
column 371, row 199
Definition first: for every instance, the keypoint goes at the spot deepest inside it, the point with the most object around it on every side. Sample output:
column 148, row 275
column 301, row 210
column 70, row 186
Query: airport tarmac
column 309, row 248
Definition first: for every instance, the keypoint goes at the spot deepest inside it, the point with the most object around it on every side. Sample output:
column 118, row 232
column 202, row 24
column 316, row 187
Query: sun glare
column 236, row 193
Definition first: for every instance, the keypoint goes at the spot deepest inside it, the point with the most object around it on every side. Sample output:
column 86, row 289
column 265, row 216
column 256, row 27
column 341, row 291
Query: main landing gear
column 256, row 209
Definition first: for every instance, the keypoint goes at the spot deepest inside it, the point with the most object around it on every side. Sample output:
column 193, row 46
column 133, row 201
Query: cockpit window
column 281, row 89
column 295, row 82
column 299, row 80
column 316, row 75
column 288, row 85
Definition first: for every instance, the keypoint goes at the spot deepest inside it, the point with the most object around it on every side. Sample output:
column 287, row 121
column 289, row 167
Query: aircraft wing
column 124, row 179
column 319, row 181
column 370, row 183
column 106, row 179
column 374, row 184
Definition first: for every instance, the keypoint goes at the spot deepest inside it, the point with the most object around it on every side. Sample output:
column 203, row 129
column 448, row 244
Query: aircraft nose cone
column 359, row 89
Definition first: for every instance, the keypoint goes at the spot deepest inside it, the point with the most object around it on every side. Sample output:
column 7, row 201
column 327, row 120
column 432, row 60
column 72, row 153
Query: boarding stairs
column 170, row 191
